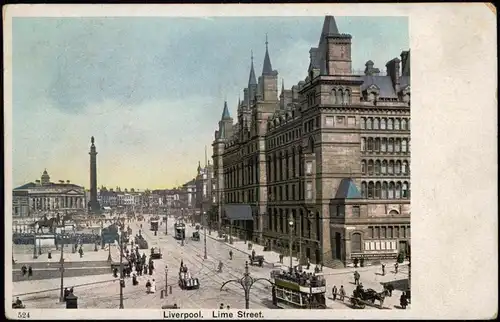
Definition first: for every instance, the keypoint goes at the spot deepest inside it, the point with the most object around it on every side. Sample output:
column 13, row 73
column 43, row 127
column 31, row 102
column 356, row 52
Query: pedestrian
column 228, row 307
column 396, row 266
column 24, row 270
column 403, row 301
column 30, row 271
column 221, row 307
column 321, row 266
column 230, row 254
column 253, row 253
column 308, row 263
column 148, row 286
column 356, row 278
column 281, row 258
column 341, row 293
column 334, row 292
column 383, row 270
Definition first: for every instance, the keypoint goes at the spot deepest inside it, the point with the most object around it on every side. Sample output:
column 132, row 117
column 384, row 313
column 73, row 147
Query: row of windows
column 242, row 174
column 284, row 138
column 385, row 123
column 385, row 167
column 278, row 221
column 385, row 190
column 391, row 145
column 388, row 232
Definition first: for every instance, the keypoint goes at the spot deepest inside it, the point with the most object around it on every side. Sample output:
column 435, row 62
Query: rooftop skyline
column 151, row 90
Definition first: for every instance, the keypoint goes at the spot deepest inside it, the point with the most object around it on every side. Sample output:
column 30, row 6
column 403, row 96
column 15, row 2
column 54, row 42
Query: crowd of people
column 300, row 277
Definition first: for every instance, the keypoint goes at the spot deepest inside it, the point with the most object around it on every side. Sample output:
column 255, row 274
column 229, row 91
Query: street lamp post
column 184, row 232
column 166, row 280
column 205, row 233
column 290, row 224
column 35, row 256
column 166, row 221
column 61, row 297
column 246, row 282
column 122, row 280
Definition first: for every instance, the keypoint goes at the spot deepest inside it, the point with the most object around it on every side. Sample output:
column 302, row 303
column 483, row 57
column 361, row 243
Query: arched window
column 404, row 168
column 384, row 167
column 404, row 125
column 404, row 146
column 377, row 167
column 405, row 190
column 384, row 190
column 347, row 97
column 383, row 146
column 398, row 190
column 356, row 243
column 390, row 146
column 363, row 189
column 391, row 190
column 383, row 124
column 389, row 124
column 376, row 122
column 340, row 94
column 334, row 96
column 397, row 146
column 370, row 144
column 311, row 144
column 363, row 123
column 408, row 125
column 369, row 123
column 363, row 167
column 371, row 190
column 397, row 124
column 391, row 167
column 363, row 144
column 378, row 190
column 377, row 144
column 397, row 169
column 370, row 167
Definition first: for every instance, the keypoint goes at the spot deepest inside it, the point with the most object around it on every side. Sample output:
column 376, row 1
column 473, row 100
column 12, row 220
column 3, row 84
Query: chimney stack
column 393, row 70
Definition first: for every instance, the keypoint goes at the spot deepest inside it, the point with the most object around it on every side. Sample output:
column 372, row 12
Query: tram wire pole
column 290, row 224
column 122, row 280
column 61, row 295
column 205, row 233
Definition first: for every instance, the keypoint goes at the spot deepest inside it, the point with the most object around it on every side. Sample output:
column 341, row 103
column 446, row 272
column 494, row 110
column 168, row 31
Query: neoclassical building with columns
column 44, row 195
column 325, row 163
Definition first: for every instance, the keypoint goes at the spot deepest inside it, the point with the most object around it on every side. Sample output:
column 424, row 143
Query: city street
column 105, row 294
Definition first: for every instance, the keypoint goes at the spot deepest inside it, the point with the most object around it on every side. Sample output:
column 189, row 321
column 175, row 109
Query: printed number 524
column 23, row 315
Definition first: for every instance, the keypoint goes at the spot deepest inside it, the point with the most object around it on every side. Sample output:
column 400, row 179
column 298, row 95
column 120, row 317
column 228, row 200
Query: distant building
column 44, row 195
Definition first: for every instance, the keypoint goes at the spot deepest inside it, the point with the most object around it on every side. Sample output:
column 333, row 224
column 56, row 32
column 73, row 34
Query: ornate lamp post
column 246, row 282
column 61, row 261
column 166, row 221
column 184, row 233
column 122, row 280
column 290, row 242
column 205, row 233
column 166, row 280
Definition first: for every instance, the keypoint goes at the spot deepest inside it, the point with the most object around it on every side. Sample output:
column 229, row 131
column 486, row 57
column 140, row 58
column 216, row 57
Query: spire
column 282, row 86
column 225, row 112
column 267, row 69
column 251, row 79
column 329, row 27
column 199, row 166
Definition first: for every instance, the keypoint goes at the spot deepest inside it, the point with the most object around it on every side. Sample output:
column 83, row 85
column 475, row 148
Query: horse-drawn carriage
column 141, row 242
column 256, row 260
column 196, row 236
column 186, row 282
column 361, row 297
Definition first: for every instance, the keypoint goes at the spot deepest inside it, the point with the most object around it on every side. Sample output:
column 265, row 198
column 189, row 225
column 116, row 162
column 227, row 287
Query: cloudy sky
column 151, row 90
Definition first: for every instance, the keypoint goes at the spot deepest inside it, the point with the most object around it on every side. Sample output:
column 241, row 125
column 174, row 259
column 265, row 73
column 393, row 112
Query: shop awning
column 238, row 212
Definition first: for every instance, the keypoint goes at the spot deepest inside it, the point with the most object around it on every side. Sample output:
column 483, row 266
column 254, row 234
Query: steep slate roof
column 26, row 186
column 251, row 79
column 225, row 112
column 267, row 69
column 347, row 190
column 384, row 83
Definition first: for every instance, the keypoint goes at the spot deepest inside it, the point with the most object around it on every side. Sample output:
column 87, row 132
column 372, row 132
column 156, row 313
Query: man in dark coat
column 334, row 292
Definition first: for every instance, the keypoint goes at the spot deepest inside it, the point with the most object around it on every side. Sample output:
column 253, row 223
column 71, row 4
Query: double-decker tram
column 180, row 230
column 298, row 290
column 154, row 225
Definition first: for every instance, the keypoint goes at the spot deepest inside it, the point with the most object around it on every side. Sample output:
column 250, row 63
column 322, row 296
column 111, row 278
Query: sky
column 151, row 90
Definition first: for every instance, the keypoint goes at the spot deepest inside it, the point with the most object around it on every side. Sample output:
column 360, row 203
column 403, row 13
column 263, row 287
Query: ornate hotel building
column 331, row 155
column 43, row 195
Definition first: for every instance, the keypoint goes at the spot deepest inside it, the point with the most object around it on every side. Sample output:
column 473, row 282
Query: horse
column 46, row 223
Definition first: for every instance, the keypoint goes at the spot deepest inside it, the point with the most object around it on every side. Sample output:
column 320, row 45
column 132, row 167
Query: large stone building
column 331, row 155
column 44, row 196
column 204, row 185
